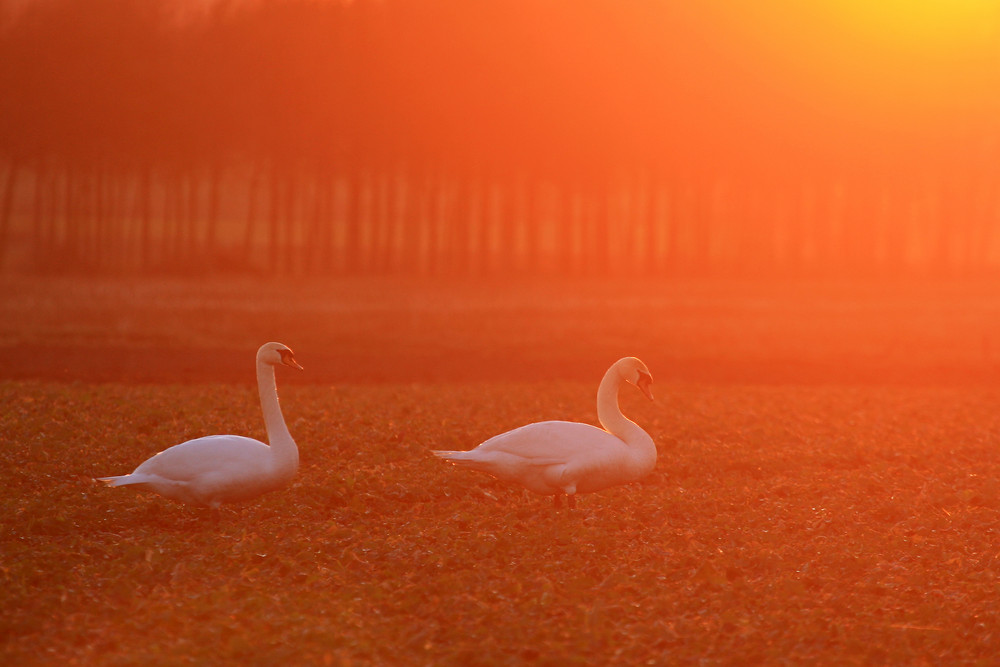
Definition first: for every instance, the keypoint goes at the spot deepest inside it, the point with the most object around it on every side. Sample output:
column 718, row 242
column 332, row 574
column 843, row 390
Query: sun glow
column 944, row 27
column 892, row 64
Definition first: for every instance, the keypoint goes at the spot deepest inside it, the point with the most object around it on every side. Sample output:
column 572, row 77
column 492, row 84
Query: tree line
column 305, row 137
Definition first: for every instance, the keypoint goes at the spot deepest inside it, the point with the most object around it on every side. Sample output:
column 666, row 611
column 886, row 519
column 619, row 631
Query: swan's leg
column 557, row 500
column 571, row 501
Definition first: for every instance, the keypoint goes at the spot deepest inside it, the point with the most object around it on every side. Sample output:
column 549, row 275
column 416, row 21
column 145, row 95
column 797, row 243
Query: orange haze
column 552, row 136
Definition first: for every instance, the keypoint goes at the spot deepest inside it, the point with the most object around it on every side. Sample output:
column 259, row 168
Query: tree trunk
column 145, row 202
column 250, row 229
column 7, row 206
column 274, row 223
column 290, row 198
column 38, row 216
column 212, row 214
column 352, row 222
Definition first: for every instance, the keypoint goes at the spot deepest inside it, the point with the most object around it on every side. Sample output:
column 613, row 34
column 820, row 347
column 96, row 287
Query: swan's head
column 277, row 354
column 634, row 371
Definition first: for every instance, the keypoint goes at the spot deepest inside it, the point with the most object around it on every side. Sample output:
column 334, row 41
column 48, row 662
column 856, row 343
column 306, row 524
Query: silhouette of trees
column 448, row 137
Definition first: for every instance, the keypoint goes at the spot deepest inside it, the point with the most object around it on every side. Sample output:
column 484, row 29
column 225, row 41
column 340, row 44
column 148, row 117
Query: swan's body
column 220, row 469
column 556, row 457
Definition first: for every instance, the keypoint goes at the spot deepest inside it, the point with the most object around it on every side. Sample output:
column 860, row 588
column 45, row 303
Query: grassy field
column 412, row 331
column 813, row 514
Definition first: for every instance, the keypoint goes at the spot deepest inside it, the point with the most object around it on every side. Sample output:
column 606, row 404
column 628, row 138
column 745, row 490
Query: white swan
column 220, row 469
column 556, row 457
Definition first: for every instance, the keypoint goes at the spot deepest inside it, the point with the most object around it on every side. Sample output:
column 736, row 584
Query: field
column 827, row 490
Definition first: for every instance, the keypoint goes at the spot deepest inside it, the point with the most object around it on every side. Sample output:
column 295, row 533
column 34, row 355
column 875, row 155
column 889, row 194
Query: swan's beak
column 288, row 359
column 644, row 384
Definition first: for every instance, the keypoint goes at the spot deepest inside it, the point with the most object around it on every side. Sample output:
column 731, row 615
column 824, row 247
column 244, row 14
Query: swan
column 557, row 457
column 220, row 469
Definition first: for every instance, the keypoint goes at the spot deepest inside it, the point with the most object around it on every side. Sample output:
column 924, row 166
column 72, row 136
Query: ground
column 826, row 492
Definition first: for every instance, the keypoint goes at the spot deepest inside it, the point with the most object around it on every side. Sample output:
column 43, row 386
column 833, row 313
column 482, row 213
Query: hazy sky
column 927, row 63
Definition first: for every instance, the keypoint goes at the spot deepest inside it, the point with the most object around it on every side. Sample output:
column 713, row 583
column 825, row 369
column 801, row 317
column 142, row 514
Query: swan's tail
column 452, row 457
column 471, row 459
column 487, row 462
column 120, row 480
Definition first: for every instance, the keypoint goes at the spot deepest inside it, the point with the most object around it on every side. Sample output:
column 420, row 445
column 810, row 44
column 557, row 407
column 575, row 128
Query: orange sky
column 925, row 65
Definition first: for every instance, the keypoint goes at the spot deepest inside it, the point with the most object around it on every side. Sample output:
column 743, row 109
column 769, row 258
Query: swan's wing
column 229, row 456
column 552, row 442
column 206, row 471
column 548, row 457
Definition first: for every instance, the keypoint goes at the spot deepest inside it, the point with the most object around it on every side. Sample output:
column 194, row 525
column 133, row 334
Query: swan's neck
column 283, row 450
column 613, row 421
